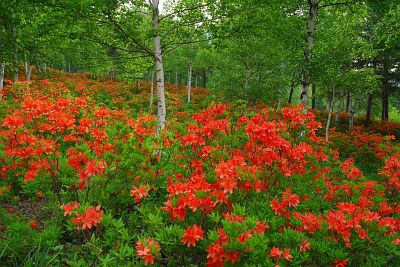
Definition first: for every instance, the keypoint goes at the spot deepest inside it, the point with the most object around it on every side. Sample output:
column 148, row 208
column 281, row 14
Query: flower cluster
column 91, row 217
column 148, row 249
column 288, row 200
column 349, row 169
column 192, row 235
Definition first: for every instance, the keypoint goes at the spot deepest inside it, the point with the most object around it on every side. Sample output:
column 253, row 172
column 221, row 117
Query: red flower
column 91, row 217
column 243, row 237
column 305, row 245
column 223, row 237
column 147, row 250
column 101, row 113
column 45, row 82
column 215, row 254
column 68, row 208
column 340, row 263
column 40, row 194
column 140, row 192
column 33, row 225
column 261, row 227
column 286, row 254
column 192, row 235
column 396, row 242
column 277, row 207
column 275, row 253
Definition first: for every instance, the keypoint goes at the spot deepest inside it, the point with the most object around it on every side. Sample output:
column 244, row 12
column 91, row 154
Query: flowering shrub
column 83, row 172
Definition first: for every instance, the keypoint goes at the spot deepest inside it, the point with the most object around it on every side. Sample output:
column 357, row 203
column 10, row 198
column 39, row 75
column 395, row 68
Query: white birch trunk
column 161, row 108
column 311, row 20
column 26, row 64
column 2, row 68
column 152, row 90
column 28, row 73
column 279, row 105
column 189, row 81
column 328, row 123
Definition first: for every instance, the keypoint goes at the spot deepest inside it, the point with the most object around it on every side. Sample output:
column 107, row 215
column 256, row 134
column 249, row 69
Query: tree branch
column 347, row 3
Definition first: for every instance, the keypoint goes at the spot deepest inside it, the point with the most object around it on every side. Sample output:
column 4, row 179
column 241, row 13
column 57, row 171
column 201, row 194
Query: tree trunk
column 311, row 20
column 2, row 68
column 15, row 54
column 255, row 104
column 348, row 102
column 313, row 96
column 176, row 77
column 279, row 105
column 28, row 73
column 189, row 83
column 152, row 90
column 353, row 110
column 161, row 108
column 369, row 109
column 291, row 92
column 112, row 73
column 196, row 82
column 26, row 64
column 328, row 123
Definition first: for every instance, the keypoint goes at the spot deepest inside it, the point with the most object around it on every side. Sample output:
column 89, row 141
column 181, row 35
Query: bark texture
column 385, row 100
column 328, row 123
column 28, row 73
column 189, row 80
column 291, row 92
column 2, row 68
column 161, row 108
column 311, row 20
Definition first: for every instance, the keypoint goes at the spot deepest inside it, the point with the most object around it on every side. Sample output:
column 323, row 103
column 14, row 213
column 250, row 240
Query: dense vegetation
column 206, row 133
column 85, row 182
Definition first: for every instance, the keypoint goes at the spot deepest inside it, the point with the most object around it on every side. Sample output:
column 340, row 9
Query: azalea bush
column 84, row 181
